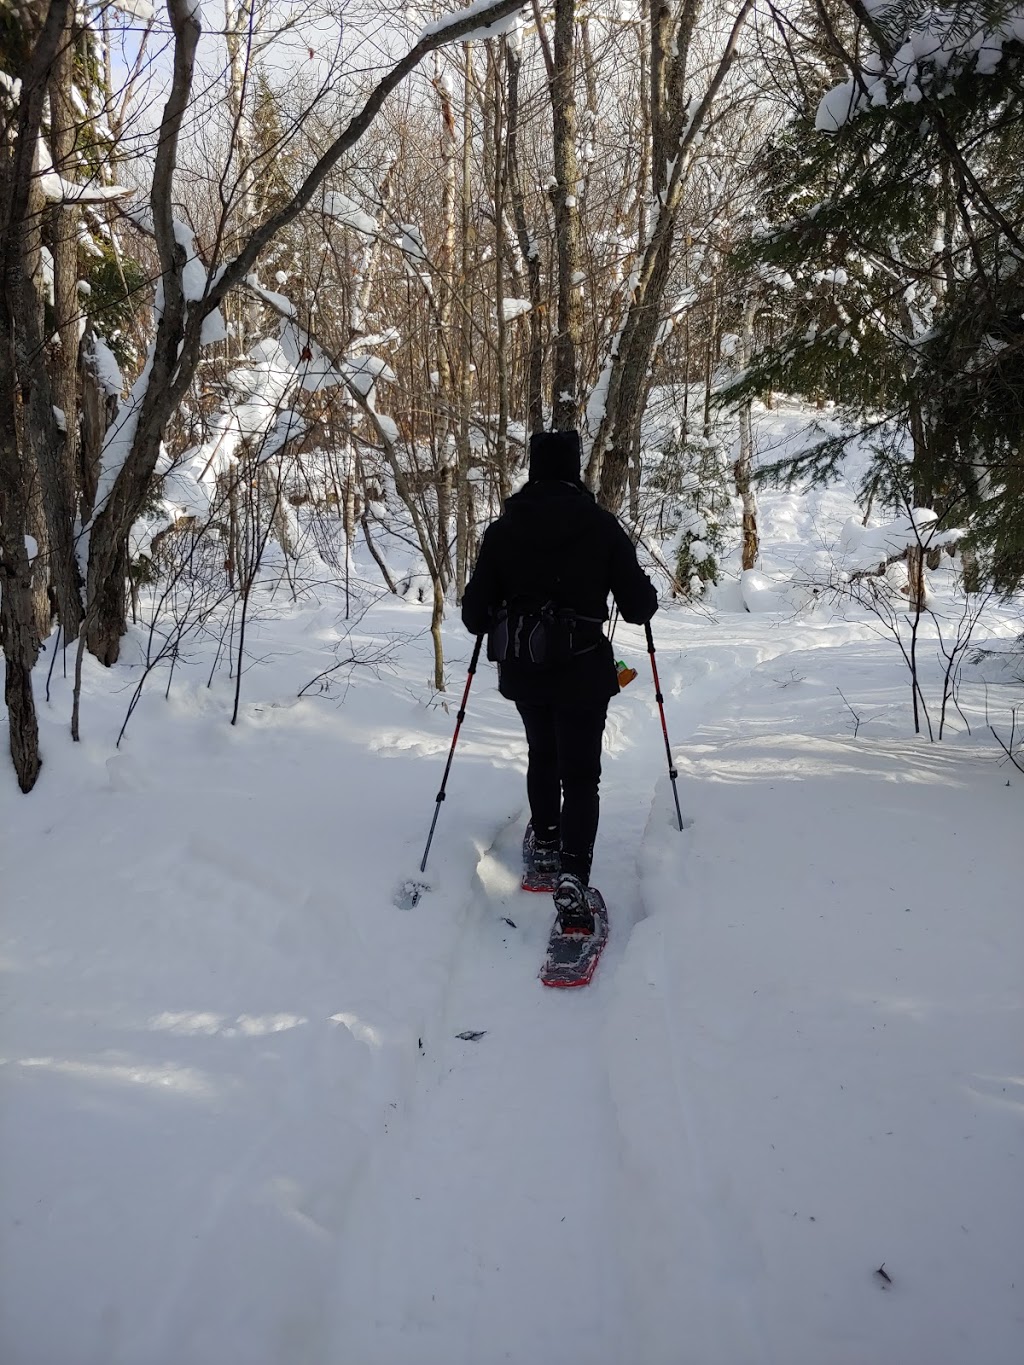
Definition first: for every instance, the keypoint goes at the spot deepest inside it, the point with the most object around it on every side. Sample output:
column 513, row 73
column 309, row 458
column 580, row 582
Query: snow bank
column 764, row 593
column 828, row 1038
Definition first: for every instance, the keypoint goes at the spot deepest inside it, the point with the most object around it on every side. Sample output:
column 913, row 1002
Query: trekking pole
column 459, row 718
column 664, row 728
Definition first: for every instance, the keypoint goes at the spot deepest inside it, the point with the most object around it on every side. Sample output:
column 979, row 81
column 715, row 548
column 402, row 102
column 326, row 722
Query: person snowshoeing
column 539, row 590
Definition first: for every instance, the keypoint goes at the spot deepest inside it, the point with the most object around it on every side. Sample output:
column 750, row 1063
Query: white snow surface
column 237, row 1123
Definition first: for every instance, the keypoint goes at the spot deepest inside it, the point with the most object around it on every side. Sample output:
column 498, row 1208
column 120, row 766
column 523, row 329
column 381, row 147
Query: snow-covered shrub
column 692, row 474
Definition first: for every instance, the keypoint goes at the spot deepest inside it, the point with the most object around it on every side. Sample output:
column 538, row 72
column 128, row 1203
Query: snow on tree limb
column 348, row 213
column 136, row 9
column 494, row 27
column 934, row 49
column 58, row 190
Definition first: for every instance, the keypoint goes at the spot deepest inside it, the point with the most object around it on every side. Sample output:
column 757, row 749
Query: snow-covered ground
column 237, row 1123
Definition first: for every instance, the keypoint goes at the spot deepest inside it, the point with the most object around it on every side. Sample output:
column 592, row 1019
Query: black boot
column 547, row 861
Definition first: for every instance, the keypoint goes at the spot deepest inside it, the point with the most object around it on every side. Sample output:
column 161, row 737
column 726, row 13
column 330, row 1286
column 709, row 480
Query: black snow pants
column 563, row 776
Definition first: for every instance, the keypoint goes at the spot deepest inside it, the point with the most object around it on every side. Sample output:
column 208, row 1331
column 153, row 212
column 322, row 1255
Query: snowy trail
column 512, row 1171
column 492, row 1206
column 502, row 1188
column 246, row 1133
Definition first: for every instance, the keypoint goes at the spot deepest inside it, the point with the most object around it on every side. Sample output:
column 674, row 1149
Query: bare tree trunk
column 21, row 648
column 921, row 496
column 241, row 23
column 565, row 398
column 445, row 434
column 916, row 588
column 58, row 471
column 501, row 357
column 172, row 363
column 710, row 356
column 468, row 235
column 675, row 129
column 17, row 619
column 744, row 488
column 40, row 436
column 743, row 469
column 365, row 273
column 644, row 169
column 97, row 410
column 437, row 616
column 231, row 563
column 527, row 248
column 26, row 412
column 378, row 559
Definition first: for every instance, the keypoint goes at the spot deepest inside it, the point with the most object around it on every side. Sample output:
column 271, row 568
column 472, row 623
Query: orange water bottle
column 626, row 675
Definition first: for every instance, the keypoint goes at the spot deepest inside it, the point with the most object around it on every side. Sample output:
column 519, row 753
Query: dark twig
column 1007, row 751
column 853, row 713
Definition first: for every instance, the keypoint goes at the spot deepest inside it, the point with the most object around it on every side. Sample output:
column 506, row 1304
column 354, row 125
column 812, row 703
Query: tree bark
column 173, row 358
column 501, row 326
column 743, row 469
column 527, row 248
column 59, row 466
column 565, row 400
column 468, row 236
column 17, row 622
column 616, row 439
column 451, row 272
column 26, row 414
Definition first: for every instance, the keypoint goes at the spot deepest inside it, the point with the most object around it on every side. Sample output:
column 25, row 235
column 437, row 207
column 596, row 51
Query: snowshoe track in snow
column 499, row 1185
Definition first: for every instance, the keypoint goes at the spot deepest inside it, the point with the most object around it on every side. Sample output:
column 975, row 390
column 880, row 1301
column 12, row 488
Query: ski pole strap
column 459, row 718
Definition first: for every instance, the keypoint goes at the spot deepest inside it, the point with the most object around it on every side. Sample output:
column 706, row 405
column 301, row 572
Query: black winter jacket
column 553, row 542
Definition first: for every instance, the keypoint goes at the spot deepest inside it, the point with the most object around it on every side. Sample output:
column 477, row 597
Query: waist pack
column 542, row 637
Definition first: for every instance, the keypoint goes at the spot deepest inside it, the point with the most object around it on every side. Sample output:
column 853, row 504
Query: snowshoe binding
column 578, row 936
column 542, row 863
column 574, row 913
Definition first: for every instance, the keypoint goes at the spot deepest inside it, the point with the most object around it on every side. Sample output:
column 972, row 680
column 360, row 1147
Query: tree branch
column 235, row 271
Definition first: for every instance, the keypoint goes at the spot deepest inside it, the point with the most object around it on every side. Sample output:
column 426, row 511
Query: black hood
column 555, row 455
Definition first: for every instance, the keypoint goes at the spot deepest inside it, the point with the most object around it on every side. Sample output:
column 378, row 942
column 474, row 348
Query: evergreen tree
column 892, row 245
